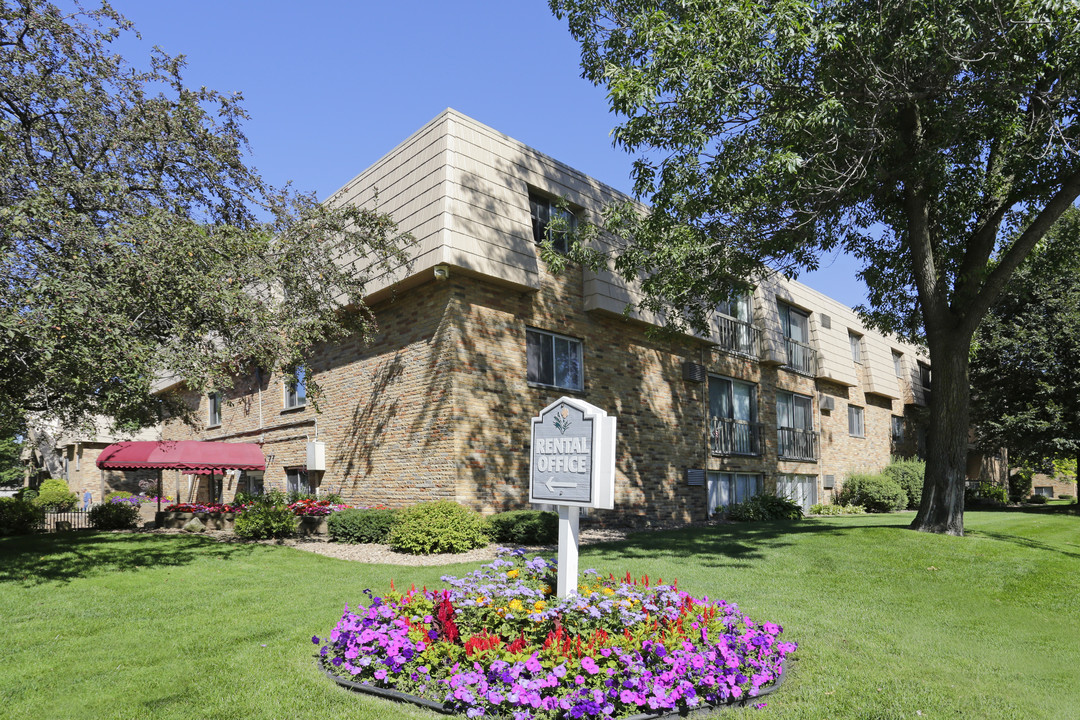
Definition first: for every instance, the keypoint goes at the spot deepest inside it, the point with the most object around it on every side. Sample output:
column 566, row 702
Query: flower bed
column 497, row 642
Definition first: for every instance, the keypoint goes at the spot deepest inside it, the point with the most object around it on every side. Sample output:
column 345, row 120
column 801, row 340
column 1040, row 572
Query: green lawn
column 890, row 623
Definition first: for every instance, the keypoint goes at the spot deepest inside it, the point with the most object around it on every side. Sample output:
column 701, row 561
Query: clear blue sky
column 331, row 85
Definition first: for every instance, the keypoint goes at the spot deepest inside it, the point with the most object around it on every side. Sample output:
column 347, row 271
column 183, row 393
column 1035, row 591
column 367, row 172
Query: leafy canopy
column 917, row 136
column 1024, row 376
column 136, row 240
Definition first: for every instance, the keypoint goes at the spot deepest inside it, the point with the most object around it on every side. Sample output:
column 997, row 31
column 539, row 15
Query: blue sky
column 331, row 86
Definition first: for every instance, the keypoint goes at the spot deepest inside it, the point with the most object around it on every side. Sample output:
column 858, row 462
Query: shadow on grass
column 1021, row 541
column 63, row 557
column 727, row 545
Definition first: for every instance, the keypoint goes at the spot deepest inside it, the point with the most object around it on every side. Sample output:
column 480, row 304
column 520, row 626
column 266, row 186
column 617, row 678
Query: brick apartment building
column 788, row 392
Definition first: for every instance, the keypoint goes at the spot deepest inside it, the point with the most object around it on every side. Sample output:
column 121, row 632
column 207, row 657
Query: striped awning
column 190, row 456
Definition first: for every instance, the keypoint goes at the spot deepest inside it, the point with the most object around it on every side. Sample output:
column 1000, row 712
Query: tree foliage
column 12, row 470
column 136, row 238
column 1024, row 377
column 934, row 141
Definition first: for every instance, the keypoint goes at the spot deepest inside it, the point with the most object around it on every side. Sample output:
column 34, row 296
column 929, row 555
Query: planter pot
column 212, row 521
column 312, row 526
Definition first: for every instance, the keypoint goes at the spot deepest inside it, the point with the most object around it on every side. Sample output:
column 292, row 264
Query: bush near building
column 438, row 527
column 18, row 516
column 114, row 516
column 909, row 474
column 876, row 493
column 55, row 496
column 524, row 527
column 361, row 526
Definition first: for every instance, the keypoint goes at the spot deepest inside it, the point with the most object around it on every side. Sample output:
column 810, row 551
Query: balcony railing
column 801, row 358
column 734, row 437
column 738, row 337
column 795, row 444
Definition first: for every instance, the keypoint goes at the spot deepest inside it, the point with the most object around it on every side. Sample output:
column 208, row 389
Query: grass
column 891, row 623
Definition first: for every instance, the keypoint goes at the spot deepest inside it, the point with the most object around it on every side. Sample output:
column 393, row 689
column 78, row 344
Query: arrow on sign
column 551, row 484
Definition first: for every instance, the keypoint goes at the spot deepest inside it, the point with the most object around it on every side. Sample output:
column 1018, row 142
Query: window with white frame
column 1044, row 490
column 296, row 481
column 738, row 307
column 543, row 210
column 855, row 425
column 726, row 489
column 800, row 488
column 898, row 363
column 553, row 360
column 296, row 389
column 213, row 413
column 855, row 341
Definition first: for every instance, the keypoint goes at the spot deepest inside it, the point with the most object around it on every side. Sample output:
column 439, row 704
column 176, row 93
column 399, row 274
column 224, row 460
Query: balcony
column 801, row 357
column 795, row 444
column 734, row 437
column 738, row 337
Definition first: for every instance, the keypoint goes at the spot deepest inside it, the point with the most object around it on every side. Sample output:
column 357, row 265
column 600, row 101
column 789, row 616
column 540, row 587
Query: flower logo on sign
column 561, row 422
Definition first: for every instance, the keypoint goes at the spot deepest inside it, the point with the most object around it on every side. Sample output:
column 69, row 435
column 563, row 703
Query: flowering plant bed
column 204, row 508
column 498, row 643
column 302, row 508
column 315, row 508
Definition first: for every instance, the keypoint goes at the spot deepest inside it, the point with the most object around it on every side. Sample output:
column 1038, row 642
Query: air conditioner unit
column 693, row 372
column 316, row 456
column 828, row 403
column 829, row 482
column 695, row 477
column 826, row 321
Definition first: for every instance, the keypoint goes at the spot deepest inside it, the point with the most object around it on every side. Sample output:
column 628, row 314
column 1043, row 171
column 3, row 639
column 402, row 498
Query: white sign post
column 572, row 465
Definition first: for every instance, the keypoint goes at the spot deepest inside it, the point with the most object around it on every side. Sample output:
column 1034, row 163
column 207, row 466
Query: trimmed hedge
column 876, row 493
column 114, row 516
column 438, row 527
column 54, row 496
column 1036, row 500
column 525, row 527
column 361, row 526
column 909, row 474
column 764, row 507
column 269, row 517
column 827, row 509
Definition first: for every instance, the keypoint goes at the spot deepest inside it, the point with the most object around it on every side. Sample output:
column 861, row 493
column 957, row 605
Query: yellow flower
column 608, row 591
column 547, row 590
column 513, row 573
column 481, row 600
column 516, row 605
column 539, row 605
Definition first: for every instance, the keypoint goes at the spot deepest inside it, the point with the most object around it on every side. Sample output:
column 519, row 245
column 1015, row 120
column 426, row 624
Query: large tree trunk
column 942, row 506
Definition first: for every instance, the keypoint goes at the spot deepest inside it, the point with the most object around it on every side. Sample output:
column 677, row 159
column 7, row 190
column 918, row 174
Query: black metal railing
column 734, row 437
column 71, row 520
column 738, row 337
column 795, row 444
column 801, row 357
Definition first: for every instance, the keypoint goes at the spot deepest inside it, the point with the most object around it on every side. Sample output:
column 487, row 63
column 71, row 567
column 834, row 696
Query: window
column 733, row 427
column 924, row 375
column 725, row 489
column 553, row 360
column 296, row 389
column 897, row 429
column 735, row 329
column 799, row 488
column 251, row 481
column 213, row 415
column 855, row 421
column 898, row 363
column 1045, row 491
column 737, row 307
column 543, row 211
column 796, row 439
column 795, row 324
column 296, row 481
column 856, row 347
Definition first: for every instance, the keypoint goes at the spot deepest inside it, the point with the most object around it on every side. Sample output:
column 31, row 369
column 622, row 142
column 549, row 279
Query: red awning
column 190, row 456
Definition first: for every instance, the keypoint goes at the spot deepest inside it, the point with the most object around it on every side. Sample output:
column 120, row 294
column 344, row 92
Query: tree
column 934, row 141
column 12, row 470
column 137, row 241
column 1025, row 387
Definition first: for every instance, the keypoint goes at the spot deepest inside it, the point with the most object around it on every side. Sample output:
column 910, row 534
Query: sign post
column 572, row 465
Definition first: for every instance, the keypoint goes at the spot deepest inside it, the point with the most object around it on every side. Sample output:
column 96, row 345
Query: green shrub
column 114, row 516
column 909, row 475
column 1020, row 485
column 524, row 527
column 1036, row 500
column 266, row 519
column 438, row 527
column 26, row 493
column 117, row 494
column 876, row 493
column 361, row 526
column 54, row 496
column 825, row 509
column 1065, row 496
column 18, row 517
column 764, row 507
